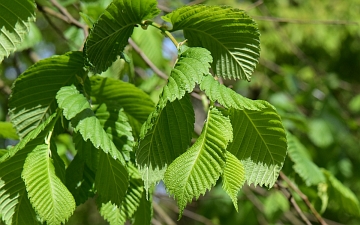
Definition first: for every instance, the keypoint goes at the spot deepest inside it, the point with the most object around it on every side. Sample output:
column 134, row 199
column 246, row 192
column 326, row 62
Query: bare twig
column 4, row 88
column 192, row 215
column 300, row 21
column 289, row 195
column 256, row 4
column 69, row 17
column 163, row 214
column 147, row 60
column 257, row 203
column 303, row 197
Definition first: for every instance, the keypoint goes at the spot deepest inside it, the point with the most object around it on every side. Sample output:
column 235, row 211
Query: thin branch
column 163, row 214
column 291, row 199
column 300, row 21
column 69, row 17
column 303, row 197
column 147, row 60
column 57, row 29
column 192, row 215
column 256, row 4
column 257, row 203
column 5, row 88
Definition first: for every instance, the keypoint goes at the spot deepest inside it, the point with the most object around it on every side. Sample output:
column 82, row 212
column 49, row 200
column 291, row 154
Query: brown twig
column 299, row 21
column 69, row 17
column 303, row 197
column 289, row 196
column 163, row 214
column 147, row 60
column 5, row 88
column 191, row 215
column 254, row 5
column 257, row 203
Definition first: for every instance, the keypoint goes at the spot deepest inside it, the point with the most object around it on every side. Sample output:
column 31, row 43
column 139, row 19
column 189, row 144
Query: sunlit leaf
column 196, row 170
column 48, row 195
column 228, row 33
column 233, row 177
column 165, row 135
column 111, row 32
column 33, row 93
column 16, row 16
column 189, row 69
column 259, row 143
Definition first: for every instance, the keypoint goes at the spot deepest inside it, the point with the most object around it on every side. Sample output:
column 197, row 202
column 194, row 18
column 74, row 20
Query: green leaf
column 233, row 177
column 143, row 214
column 111, row 32
column 77, row 109
column 135, row 102
column 8, row 131
column 195, row 171
column 47, row 125
column 118, row 215
column 229, row 98
column 15, row 207
column 115, row 123
column 111, row 180
column 341, row 197
column 33, row 94
column 80, row 180
column 259, row 143
column 111, row 213
column 16, row 16
column 228, row 33
column 192, row 64
column 307, row 170
column 48, row 195
column 165, row 135
column 86, row 151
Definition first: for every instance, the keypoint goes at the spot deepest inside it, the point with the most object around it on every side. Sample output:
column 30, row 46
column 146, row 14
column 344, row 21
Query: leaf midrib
column 258, row 132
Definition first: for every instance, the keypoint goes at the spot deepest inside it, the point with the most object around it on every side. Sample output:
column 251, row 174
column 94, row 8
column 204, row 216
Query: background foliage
column 309, row 70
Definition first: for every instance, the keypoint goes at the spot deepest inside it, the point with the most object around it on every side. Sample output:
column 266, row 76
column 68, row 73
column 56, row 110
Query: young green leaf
column 259, row 143
column 16, row 16
column 86, row 151
column 195, row 171
column 48, row 195
column 229, row 98
column 111, row 32
column 33, row 94
column 165, row 135
column 111, row 180
column 77, row 109
column 228, row 33
column 192, row 64
column 341, row 197
column 233, row 177
column 303, row 165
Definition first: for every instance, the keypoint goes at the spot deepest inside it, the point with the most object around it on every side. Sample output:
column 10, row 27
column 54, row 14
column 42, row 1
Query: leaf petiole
column 163, row 30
